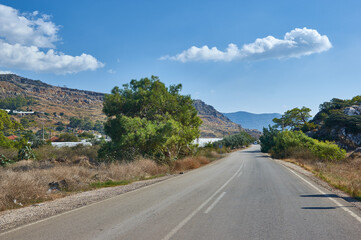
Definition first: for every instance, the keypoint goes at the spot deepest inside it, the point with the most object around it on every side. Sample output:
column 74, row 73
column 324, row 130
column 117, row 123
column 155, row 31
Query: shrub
column 86, row 135
column 286, row 143
column 235, row 141
column 26, row 153
column 68, row 137
column 267, row 139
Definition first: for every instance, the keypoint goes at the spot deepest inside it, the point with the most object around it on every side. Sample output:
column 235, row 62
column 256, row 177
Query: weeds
column 344, row 175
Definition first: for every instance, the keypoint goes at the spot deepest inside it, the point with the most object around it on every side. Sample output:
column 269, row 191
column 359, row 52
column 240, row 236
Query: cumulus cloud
column 27, row 41
column 297, row 43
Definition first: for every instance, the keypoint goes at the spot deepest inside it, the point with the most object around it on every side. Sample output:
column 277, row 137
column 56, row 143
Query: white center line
column 214, row 203
column 190, row 216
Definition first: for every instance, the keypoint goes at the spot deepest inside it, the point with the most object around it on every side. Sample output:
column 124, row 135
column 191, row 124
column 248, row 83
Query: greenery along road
column 244, row 196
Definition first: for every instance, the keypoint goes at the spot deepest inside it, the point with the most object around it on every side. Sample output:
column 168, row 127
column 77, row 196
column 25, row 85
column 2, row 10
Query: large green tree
column 145, row 118
column 294, row 118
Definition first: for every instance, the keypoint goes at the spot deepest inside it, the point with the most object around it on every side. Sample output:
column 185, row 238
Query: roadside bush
column 267, row 139
column 287, row 143
column 48, row 152
column 235, row 141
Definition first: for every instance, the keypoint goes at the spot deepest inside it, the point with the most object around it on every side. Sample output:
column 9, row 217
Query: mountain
column 57, row 104
column 252, row 120
column 216, row 124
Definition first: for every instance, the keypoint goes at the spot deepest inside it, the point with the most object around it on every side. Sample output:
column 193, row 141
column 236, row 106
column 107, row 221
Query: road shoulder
column 314, row 179
column 14, row 218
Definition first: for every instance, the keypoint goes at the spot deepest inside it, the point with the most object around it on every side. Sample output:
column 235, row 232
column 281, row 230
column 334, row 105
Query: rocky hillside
column 54, row 104
column 51, row 99
column 252, row 120
column 215, row 124
column 340, row 121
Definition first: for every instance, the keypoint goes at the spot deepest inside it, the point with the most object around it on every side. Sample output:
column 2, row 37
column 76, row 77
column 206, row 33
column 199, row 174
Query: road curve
column 247, row 195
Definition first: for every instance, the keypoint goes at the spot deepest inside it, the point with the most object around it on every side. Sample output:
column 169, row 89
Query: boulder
column 353, row 110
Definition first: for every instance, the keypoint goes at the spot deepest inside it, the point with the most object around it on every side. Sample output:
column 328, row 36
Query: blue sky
column 124, row 40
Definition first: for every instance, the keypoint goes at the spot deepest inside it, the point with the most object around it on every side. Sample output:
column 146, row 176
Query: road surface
column 244, row 196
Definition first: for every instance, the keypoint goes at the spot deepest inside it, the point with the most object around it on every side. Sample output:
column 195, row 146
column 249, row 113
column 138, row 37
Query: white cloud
column 5, row 72
column 24, row 38
column 111, row 71
column 31, row 58
column 299, row 42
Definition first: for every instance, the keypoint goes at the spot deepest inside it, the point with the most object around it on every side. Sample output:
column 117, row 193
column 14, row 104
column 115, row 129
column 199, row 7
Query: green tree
column 25, row 122
column 268, row 138
column 294, row 118
column 14, row 103
column 7, row 127
column 146, row 118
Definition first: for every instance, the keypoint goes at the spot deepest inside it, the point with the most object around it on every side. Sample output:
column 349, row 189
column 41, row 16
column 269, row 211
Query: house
column 54, row 139
column 12, row 137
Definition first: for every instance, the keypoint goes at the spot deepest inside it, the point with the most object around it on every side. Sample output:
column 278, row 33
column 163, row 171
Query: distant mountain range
column 252, row 120
column 52, row 101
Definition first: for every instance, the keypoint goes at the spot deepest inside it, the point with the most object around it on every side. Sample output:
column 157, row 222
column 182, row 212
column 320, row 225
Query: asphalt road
column 244, row 196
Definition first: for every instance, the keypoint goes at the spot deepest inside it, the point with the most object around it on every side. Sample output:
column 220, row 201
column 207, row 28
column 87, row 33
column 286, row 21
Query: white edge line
column 190, row 216
column 214, row 203
column 322, row 192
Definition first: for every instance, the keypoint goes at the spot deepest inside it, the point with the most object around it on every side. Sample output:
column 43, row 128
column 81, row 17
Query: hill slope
column 51, row 99
column 216, row 124
column 252, row 120
column 79, row 103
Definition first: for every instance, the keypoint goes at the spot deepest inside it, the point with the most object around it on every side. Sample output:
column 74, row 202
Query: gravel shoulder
column 17, row 217
column 321, row 183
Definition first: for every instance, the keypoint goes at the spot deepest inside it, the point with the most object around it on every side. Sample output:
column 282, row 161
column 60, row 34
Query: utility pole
column 43, row 132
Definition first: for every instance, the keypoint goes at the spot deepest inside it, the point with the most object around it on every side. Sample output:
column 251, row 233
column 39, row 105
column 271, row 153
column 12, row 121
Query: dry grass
column 190, row 163
column 345, row 175
column 27, row 182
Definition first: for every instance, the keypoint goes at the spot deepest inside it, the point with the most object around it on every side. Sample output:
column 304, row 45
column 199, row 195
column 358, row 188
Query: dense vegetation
column 242, row 139
column 14, row 103
column 85, row 124
column 145, row 118
column 285, row 144
column 291, row 142
column 7, row 127
column 332, row 123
